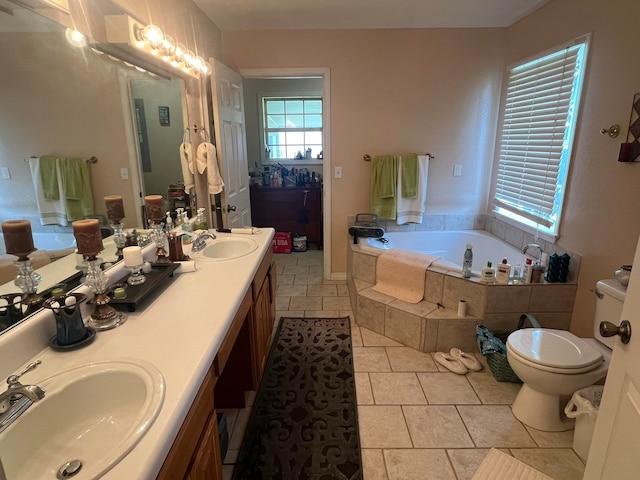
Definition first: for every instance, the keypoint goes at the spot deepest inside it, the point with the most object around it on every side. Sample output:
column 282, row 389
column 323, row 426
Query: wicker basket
column 492, row 346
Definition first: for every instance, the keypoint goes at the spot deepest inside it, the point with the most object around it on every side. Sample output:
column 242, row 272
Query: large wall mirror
column 58, row 99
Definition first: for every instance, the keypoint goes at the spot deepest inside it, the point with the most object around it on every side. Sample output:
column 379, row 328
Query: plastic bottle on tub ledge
column 487, row 275
column 467, row 261
column 503, row 272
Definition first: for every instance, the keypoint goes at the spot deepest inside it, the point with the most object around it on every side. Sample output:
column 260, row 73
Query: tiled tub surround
column 433, row 324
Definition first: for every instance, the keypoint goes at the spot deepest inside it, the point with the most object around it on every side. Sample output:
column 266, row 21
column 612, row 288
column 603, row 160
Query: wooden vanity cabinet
column 289, row 209
column 195, row 453
column 263, row 315
column 238, row 366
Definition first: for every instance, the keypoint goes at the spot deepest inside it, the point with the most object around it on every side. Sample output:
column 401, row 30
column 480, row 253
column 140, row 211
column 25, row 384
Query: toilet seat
column 555, row 351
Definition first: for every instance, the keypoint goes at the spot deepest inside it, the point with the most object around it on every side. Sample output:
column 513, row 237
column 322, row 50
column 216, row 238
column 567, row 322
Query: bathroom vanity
column 207, row 332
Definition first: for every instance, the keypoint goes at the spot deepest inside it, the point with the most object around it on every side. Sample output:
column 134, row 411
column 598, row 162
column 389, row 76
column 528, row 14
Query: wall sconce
column 630, row 150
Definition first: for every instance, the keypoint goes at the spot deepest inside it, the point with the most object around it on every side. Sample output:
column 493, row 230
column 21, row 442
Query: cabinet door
column 207, row 462
column 261, row 328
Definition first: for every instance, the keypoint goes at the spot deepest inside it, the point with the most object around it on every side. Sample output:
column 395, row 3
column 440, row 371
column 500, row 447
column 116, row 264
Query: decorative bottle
column 468, row 261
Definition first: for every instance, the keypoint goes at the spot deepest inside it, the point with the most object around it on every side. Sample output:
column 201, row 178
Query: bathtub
column 449, row 246
column 55, row 243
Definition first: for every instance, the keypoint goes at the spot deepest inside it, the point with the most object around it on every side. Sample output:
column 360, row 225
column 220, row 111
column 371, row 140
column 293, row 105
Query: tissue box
column 282, row 242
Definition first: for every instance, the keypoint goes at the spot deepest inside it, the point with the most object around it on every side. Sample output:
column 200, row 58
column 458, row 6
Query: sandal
column 468, row 359
column 447, row 361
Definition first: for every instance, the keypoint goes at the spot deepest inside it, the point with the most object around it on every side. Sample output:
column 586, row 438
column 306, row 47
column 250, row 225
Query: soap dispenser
column 487, row 275
column 168, row 225
column 201, row 222
column 179, row 216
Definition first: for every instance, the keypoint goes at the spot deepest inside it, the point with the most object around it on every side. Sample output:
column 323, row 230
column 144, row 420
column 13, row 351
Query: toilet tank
column 610, row 295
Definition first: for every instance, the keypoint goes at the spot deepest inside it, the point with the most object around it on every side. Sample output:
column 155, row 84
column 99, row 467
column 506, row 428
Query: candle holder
column 119, row 238
column 27, row 280
column 104, row 316
column 159, row 236
column 136, row 277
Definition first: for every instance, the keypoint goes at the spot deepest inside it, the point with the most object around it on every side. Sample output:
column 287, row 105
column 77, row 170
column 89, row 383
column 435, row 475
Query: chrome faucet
column 200, row 242
column 18, row 397
column 538, row 247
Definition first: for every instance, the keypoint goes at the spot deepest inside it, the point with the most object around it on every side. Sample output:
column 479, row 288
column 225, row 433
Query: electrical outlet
column 457, row 170
column 6, row 174
column 337, row 172
column 124, row 174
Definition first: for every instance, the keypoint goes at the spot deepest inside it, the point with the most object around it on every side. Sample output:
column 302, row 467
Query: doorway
column 323, row 74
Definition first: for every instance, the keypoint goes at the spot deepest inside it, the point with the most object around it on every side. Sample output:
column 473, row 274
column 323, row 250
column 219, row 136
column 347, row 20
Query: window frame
column 266, row 159
column 526, row 221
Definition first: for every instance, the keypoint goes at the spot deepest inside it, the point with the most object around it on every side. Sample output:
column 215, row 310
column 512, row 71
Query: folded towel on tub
column 401, row 274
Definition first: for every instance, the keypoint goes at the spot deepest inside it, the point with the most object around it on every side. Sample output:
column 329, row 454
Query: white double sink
column 91, row 417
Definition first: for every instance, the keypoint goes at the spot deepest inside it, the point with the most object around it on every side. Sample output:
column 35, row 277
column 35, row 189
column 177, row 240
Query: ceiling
column 364, row 14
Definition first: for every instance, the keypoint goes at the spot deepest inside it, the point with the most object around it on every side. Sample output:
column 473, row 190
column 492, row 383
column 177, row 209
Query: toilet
column 553, row 364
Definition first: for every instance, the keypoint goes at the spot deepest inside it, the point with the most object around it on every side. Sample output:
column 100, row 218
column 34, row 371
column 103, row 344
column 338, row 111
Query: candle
column 115, row 208
column 88, row 238
column 132, row 256
column 154, row 206
column 18, row 239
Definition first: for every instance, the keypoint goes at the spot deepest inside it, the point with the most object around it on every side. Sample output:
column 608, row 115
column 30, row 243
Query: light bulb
column 153, row 36
column 75, row 38
column 168, row 47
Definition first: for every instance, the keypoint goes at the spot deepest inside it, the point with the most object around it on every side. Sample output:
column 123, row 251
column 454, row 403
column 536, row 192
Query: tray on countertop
column 136, row 293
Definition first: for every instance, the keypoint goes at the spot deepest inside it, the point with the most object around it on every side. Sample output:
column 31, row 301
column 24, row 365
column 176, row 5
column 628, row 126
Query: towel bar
column 89, row 160
column 367, row 157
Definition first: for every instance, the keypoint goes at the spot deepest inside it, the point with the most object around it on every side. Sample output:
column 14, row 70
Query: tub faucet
column 536, row 246
column 18, row 397
column 199, row 243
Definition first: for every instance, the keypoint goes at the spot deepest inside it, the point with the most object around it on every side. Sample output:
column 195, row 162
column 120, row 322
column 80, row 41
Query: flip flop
column 468, row 359
column 447, row 361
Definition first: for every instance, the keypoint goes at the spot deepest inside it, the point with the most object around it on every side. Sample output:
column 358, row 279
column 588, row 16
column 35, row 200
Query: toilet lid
column 553, row 348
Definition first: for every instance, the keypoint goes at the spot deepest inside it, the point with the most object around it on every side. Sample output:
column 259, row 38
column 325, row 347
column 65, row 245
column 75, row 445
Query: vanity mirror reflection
column 63, row 100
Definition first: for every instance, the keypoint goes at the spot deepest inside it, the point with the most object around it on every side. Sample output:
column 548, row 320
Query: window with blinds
column 539, row 119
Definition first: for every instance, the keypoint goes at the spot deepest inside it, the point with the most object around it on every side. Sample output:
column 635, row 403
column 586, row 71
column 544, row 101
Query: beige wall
column 438, row 91
column 395, row 91
column 599, row 220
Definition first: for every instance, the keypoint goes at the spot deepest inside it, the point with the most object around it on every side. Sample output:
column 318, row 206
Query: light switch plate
column 6, row 174
column 337, row 172
column 457, row 170
column 124, row 174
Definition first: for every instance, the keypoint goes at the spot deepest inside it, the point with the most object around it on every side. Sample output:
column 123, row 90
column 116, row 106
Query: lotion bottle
column 528, row 270
column 503, row 272
column 487, row 275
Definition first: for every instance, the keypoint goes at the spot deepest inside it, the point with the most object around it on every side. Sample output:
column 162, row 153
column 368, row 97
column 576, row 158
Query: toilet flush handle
column 608, row 329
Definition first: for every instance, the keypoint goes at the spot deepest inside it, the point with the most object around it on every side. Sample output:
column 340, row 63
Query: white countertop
column 179, row 330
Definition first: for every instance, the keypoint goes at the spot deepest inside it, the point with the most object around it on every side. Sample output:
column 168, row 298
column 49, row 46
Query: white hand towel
column 207, row 159
column 52, row 212
column 411, row 210
column 186, row 160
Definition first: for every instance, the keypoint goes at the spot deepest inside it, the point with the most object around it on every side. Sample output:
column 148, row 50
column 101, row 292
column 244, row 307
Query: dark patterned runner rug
column 304, row 423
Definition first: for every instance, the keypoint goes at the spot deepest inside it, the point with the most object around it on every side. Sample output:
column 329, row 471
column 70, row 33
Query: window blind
column 535, row 145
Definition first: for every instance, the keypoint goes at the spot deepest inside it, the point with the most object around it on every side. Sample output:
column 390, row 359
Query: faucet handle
column 15, row 379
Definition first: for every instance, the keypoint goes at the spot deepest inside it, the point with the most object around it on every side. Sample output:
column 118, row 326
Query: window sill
column 303, row 161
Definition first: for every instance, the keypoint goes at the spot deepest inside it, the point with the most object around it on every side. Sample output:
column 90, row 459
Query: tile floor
column 418, row 421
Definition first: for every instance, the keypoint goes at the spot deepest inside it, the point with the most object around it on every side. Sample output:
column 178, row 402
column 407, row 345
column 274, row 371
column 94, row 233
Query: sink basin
column 228, row 248
column 94, row 414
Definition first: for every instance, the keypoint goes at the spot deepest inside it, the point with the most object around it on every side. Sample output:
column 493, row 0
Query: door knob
column 231, row 208
column 608, row 329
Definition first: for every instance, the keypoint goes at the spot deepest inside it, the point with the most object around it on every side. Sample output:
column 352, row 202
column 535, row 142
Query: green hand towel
column 410, row 175
column 49, row 177
column 76, row 185
column 384, row 177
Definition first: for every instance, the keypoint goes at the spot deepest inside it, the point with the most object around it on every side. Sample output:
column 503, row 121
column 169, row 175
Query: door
column 614, row 449
column 228, row 114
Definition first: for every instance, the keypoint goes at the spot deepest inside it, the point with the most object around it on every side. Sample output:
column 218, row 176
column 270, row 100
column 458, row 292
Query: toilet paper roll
column 185, row 267
column 462, row 308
